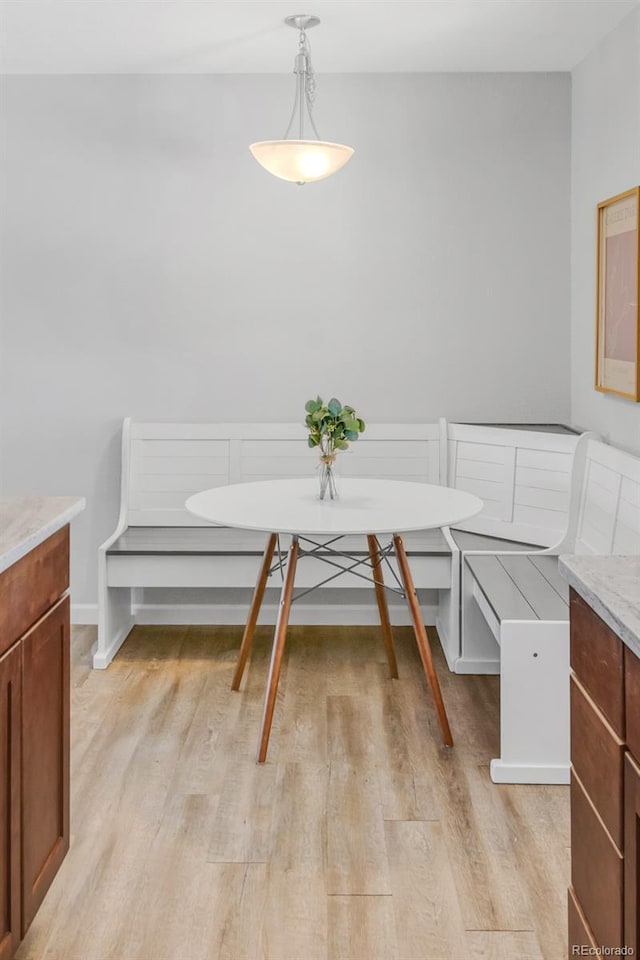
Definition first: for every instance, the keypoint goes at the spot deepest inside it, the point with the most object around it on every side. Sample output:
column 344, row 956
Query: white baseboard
column 84, row 613
column 102, row 658
column 225, row 613
column 530, row 772
column 475, row 667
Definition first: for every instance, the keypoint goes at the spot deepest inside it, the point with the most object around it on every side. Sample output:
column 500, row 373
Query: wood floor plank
column 240, row 735
column 355, row 661
column 361, row 927
column 172, row 868
column 471, row 701
column 481, row 848
column 353, row 728
column 406, row 790
column 190, row 907
column 303, row 727
column 146, row 645
column 543, row 859
column 295, row 914
column 299, row 835
column 505, row 945
column 215, row 651
column 425, row 901
column 241, row 831
column 223, row 919
column 356, row 855
column 295, row 918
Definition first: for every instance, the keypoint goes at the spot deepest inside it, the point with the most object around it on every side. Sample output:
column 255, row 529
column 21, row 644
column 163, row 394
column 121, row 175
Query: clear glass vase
column 328, row 489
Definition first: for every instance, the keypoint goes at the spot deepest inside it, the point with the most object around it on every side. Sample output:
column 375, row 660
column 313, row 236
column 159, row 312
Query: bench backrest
column 608, row 508
column 164, row 463
column 523, row 476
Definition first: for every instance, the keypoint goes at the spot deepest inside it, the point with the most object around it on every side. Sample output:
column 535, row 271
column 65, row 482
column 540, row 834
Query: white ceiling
column 243, row 36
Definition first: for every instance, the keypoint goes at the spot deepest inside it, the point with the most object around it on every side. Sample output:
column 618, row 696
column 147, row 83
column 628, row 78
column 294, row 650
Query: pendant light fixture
column 302, row 161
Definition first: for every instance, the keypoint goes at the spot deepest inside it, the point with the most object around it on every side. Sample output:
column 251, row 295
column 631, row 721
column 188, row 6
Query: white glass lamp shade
column 301, row 161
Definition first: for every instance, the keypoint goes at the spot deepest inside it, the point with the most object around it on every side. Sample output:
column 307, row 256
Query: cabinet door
column 10, row 743
column 45, row 755
column 631, row 862
column 596, row 870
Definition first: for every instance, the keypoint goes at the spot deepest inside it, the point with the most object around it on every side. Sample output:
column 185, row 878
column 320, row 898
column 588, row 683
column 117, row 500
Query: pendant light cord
column 305, row 88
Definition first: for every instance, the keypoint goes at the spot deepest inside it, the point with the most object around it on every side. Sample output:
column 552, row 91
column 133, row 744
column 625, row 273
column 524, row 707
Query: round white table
column 368, row 507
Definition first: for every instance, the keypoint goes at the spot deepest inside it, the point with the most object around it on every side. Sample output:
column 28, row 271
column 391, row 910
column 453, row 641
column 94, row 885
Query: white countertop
column 611, row 587
column 26, row 522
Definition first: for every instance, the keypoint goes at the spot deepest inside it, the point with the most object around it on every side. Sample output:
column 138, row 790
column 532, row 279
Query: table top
column 363, row 506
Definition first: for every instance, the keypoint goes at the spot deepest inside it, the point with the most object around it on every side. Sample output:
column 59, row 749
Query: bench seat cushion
column 521, row 587
column 212, row 541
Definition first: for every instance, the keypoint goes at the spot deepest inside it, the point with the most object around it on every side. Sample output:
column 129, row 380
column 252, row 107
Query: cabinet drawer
column 597, row 661
column 632, row 700
column 31, row 585
column 597, row 756
column 596, row 870
column 580, row 937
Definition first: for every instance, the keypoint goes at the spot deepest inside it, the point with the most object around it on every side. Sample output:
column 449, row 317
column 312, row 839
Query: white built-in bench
column 515, row 614
column 158, row 544
column 523, row 475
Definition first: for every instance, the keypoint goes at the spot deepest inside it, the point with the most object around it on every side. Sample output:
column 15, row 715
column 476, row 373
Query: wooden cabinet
column 605, row 787
column 45, row 764
column 34, row 732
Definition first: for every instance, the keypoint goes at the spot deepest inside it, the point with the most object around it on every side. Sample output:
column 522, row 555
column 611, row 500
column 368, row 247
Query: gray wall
column 605, row 161
column 151, row 268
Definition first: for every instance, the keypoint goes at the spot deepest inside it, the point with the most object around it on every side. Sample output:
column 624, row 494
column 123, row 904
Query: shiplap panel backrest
column 609, row 509
column 523, row 476
column 169, row 462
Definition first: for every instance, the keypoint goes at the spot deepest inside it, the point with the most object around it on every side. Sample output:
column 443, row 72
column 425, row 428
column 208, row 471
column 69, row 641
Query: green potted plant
column 332, row 428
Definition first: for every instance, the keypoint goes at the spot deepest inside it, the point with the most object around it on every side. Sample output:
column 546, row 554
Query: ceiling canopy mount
column 302, row 21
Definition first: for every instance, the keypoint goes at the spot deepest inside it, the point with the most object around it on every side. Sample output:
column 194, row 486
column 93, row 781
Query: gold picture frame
column 617, row 296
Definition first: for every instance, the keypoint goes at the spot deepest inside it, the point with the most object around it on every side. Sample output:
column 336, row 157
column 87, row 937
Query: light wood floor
column 361, row 838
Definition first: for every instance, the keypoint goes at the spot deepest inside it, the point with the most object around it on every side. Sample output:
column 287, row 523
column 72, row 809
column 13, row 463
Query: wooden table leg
column 277, row 652
column 250, row 628
column 422, row 639
column 387, row 633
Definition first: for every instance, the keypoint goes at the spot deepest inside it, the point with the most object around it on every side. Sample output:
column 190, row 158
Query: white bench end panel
column 609, row 512
column 522, row 475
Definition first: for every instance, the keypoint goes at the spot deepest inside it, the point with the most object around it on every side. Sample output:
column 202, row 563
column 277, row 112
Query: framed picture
column 618, row 292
